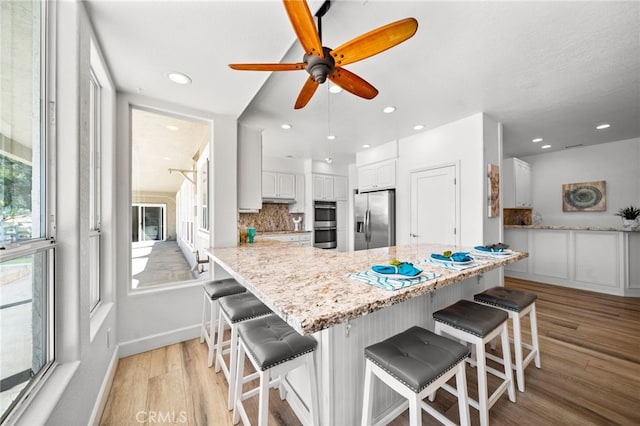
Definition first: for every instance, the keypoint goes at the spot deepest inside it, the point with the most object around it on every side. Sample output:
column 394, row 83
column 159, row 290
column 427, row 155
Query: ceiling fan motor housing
column 320, row 68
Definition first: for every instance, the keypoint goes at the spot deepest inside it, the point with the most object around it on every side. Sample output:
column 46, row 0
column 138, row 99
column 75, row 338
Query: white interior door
column 433, row 206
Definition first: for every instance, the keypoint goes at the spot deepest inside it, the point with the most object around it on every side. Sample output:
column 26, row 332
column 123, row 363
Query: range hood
column 278, row 200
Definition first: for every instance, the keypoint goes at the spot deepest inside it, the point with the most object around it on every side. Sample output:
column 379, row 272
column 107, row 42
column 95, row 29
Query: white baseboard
column 155, row 341
column 103, row 394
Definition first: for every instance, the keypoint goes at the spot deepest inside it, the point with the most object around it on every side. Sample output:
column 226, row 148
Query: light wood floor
column 590, row 373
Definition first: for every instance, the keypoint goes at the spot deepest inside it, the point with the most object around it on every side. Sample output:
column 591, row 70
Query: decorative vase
column 631, row 224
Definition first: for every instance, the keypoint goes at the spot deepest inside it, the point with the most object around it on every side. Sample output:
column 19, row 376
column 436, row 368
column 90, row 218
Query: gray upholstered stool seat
column 506, row 298
column 417, row 356
column 473, row 318
column 478, row 325
column 243, row 306
column 221, row 288
column 212, row 292
column 517, row 304
column 415, row 363
column 271, row 341
column 274, row 348
column 234, row 310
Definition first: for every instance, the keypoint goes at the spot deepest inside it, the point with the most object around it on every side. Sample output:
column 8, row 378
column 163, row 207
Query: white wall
column 81, row 338
column 459, row 142
column 617, row 163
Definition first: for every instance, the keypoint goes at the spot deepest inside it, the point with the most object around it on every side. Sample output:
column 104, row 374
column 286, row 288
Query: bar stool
column 415, row 363
column 274, row 349
column 517, row 304
column 479, row 324
column 234, row 309
column 212, row 291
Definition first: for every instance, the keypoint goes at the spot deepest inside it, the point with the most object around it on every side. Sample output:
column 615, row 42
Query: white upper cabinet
column 376, row 176
column 329, row 187
column 278, row 185
column 340, row 188
column 323, row 187
column 298, row 206
column 516, row 183
column 249, row 169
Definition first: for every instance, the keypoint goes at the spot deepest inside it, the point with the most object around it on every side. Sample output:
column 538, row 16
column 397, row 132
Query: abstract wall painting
column 584, row 197
column 493, row 190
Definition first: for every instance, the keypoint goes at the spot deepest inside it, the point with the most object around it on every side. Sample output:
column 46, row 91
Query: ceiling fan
column 322, row 62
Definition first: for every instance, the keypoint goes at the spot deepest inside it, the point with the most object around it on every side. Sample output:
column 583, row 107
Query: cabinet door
column 366, row 178
column 318, row 187
column 298, row 206
column 386, row 175
column 286, row 185
column 269, row 185
column 522, row 177
column 340, row 188
column 327, row 188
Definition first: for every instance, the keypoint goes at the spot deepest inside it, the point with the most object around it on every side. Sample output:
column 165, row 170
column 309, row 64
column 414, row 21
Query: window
column 203, row 189
column 28, row 250
column 94, row 191
column 169, row 197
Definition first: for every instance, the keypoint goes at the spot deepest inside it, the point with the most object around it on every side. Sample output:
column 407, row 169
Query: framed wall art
column 584, row 197
column 493, row 190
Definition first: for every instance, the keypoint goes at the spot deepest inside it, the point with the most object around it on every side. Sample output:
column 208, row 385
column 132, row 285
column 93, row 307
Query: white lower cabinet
column 583, row 259
column 299, row 238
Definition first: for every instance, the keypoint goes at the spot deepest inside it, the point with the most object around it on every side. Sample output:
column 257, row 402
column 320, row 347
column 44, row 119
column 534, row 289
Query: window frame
column 45, row 242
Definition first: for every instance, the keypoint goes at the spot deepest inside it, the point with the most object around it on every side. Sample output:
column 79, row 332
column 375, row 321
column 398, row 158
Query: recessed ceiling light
column 172, row 128
column 166, row 158
column 603, row 126
column 537, row 140
column 418, row 127
column 333, row 88
column 331, row 137
column 366, row 145
column 389, row 109
column 545, row 146
column 180, row 78
column 329, row 160
column 285, row 126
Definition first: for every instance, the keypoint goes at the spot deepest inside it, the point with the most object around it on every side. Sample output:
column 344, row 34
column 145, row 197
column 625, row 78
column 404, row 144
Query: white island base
column 340, row 355
column 595, row 259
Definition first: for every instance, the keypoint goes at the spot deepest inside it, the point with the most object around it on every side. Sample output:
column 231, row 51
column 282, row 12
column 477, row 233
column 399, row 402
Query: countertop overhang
column 572, row 228
column 308, row 287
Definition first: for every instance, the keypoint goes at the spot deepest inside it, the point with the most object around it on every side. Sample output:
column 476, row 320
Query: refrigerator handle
column 367, row 225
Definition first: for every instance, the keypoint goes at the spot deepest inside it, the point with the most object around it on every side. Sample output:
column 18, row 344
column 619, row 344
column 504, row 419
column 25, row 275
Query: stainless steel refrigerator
column 375, row 220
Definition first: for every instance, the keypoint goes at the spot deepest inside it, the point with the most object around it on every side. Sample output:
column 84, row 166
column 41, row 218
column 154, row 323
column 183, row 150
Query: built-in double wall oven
column 324, row 224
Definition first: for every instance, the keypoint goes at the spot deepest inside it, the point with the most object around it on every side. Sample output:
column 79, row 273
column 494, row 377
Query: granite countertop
column 572, row 228
column 309, row 289
column 281, row 232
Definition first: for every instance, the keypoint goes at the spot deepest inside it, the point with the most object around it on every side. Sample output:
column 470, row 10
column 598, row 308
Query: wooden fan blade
column 375, row 41
column 306, row 93
column 353, row 84
column 303, row 25
column 268, row 67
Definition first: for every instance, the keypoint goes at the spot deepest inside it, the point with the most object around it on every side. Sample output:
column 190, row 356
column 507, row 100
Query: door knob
column 414, row 235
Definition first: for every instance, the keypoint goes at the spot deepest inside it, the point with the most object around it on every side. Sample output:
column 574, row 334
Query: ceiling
column 552, row 70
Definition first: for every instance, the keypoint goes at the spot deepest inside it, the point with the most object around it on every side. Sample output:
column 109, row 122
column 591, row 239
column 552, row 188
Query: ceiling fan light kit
column 322, row 62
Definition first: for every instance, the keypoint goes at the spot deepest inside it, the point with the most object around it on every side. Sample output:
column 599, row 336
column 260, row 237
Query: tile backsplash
column 272, row 217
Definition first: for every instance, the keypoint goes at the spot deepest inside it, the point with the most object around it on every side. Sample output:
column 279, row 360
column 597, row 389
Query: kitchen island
column 602, row 259
column 309, row 289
